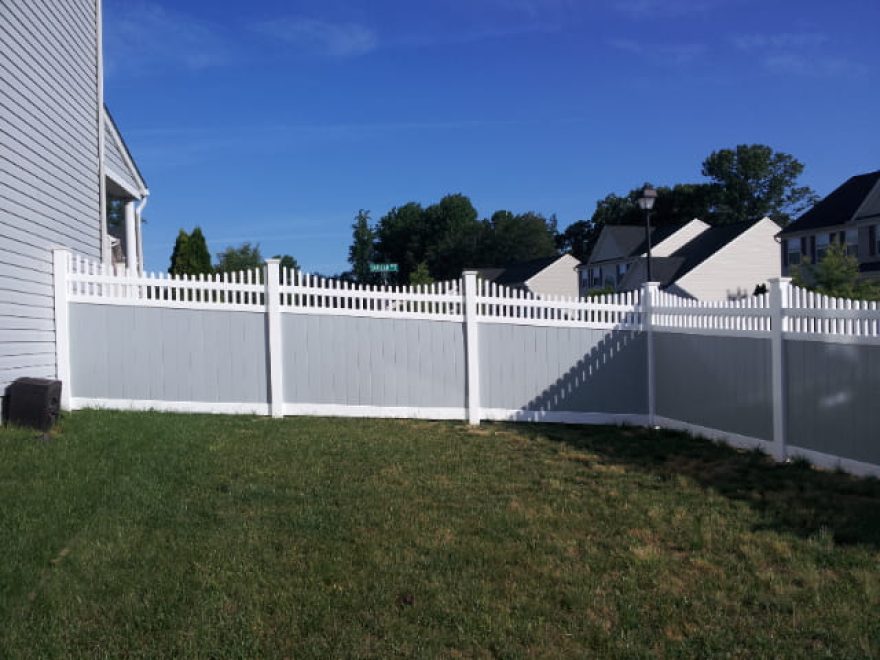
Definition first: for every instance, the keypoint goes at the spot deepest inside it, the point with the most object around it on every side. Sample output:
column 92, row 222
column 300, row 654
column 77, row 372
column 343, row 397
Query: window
column 852, row 242
column 874, row 240
column 621, row 271
column 822, row 243
column 595, row 277
column 793, row 249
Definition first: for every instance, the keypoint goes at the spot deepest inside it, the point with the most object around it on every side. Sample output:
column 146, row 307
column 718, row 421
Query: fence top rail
column 803, row 312
column 730, row 312
column 490, row 291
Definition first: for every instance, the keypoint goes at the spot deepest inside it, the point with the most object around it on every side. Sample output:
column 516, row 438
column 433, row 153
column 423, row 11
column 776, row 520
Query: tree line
column 748, row 182
column 438, row 241
column 191, row 256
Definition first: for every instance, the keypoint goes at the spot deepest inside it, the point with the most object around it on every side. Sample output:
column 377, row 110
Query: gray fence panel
column 347, row 360
column 153, row 354
column 719, row 382
column 833, row 391
column 533, row 368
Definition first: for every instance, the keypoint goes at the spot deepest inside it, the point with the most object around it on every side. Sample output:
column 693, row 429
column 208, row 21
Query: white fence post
column 472, row 346
column 780, row 292
column 274, row 343
column 61, row 268
column 649, row 296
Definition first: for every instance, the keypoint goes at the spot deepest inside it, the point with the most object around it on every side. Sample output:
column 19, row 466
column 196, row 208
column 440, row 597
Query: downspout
column 104, row 236
column 138, row 214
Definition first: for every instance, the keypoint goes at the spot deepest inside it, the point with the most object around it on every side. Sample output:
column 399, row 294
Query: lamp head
column 649, row 196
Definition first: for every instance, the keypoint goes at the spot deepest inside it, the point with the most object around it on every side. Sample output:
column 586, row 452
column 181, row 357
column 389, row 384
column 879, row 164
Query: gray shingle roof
column 630, row 239
column 516, row 274
column 668, row 270
column 839, row 207
column 696, row 251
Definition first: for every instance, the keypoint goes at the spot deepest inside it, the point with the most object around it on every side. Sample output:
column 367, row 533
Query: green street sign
column 384, row 268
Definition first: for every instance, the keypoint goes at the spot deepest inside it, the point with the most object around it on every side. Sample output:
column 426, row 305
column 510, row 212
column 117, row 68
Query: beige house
column 693, row 260
column 549, row 276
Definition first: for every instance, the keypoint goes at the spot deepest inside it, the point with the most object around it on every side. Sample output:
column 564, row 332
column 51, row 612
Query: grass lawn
column 129, row 534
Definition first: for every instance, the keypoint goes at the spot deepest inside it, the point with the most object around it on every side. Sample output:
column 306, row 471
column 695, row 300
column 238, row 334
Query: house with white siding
column 63, row 164
column 548, row 276
column 694, row 260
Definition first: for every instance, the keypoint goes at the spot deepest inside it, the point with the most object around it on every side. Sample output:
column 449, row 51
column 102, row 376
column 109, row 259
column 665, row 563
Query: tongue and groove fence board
column 791, row 372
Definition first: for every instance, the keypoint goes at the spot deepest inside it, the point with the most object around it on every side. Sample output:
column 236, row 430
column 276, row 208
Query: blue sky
column 275, row 121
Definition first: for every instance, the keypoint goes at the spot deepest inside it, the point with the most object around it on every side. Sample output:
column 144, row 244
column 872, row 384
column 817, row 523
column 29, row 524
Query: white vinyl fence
column 791, row 372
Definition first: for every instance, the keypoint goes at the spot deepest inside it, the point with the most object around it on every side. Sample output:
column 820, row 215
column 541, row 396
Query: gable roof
column 667, row 270
column 629, row 240
column 119, row 165
column 520, row 273
column 839, row 207
column 708, row 243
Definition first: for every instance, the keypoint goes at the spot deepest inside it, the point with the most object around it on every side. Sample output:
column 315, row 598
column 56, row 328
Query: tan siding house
column 549, row 276
column 694, row 260
column 737, row 269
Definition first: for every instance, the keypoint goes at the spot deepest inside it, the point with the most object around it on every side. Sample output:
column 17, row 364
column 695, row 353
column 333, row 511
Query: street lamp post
column 646, row 203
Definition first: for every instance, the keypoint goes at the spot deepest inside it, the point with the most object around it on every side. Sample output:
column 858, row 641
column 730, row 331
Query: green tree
column 361, row 251
column 453, row 234
column 446, row 236
column 509, row 238
column 753, row 181
column 190, row 255
column 244, row 257
column 287, row 261
column 680, row 203
column 421, row 275
column 401, row 238
column 180, row 254
column 578, row 239
column 837, row 275
column 198, row 247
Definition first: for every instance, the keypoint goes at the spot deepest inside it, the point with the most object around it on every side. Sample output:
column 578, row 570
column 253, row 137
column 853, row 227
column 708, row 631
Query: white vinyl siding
column 117, row 164
column 49, row 168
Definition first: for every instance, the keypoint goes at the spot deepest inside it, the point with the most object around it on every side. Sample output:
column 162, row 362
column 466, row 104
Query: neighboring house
column 621, row 247
column 125, row 186
column 549, row 276
column 849, row 215
column 698, row 261
column 61, row 158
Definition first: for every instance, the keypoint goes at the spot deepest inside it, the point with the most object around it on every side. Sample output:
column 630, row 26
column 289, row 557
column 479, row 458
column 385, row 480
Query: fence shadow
column 792, row 498
column 609, row 379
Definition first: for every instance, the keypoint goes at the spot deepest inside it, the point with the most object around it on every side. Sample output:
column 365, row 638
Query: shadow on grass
column 792, row 498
